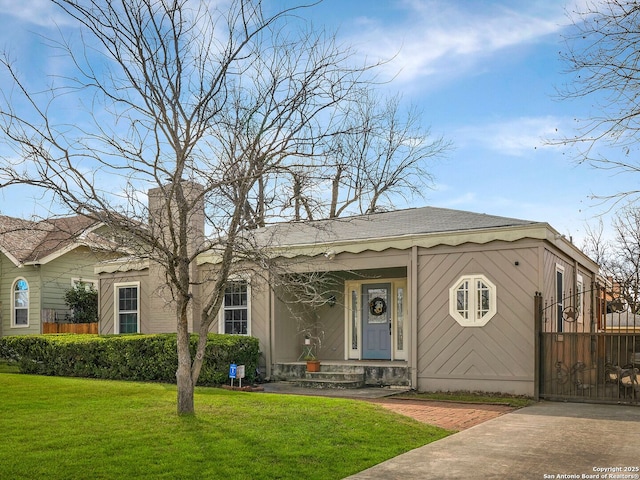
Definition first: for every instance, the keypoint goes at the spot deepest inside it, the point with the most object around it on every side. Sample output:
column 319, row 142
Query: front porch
column 345, row 373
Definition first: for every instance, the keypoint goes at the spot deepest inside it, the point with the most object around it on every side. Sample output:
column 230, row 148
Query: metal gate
column 589, row 356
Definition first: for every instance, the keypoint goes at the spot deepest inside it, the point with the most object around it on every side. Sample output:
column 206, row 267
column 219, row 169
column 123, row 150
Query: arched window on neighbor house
column 20, row 307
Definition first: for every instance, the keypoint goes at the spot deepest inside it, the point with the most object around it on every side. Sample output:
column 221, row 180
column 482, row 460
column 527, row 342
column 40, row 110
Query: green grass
column 471, row 397
column 68, row 428
column 6, row 367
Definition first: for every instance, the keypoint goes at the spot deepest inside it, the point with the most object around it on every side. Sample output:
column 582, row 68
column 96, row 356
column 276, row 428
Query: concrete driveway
column 545, row 441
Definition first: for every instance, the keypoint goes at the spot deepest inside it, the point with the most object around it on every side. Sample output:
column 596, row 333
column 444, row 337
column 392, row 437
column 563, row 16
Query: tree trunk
column 184, row 380
column 200, row 352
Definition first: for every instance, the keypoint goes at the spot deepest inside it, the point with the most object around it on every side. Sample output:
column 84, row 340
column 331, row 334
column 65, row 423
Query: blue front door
column 376, row 321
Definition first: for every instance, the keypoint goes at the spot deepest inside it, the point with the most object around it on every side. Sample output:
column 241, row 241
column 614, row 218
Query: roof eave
column 510, row 233
column 13, row 259
column 126, row 264
column 560, row 241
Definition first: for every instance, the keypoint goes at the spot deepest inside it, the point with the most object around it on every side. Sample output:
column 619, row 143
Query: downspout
column 413, row 353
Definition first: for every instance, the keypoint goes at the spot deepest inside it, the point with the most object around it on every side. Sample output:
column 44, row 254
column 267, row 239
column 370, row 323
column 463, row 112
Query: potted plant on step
column 313, row 364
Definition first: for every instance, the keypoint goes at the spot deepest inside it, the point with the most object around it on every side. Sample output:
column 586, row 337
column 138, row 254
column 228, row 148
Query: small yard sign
column 233, row 370
column 236, row 371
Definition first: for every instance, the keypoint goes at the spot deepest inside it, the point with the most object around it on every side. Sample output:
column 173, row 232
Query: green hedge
column 128, row 357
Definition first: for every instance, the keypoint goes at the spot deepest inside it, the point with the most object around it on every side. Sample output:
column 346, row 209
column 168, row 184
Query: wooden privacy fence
column 51, row 327
column 57, row 321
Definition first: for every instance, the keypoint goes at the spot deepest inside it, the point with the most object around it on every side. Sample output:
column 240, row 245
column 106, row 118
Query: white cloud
column 39, row 12
column 461, row 200
column 514, row 137
column 436, row 36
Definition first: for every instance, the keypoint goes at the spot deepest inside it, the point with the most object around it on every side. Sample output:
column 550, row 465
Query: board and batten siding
column 107, row 301
column 499, row 356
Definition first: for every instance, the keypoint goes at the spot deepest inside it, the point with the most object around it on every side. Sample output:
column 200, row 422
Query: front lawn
column 68, row 428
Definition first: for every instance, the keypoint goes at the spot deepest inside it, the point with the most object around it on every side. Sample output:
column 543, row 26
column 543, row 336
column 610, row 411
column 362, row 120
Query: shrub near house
column 127, row 357
column 82, row 299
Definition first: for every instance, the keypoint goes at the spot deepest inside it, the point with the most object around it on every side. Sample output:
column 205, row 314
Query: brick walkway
column 452, row 416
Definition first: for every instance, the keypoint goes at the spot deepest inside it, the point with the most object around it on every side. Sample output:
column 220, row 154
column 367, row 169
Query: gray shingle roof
column 30, row 241
column 413, row 221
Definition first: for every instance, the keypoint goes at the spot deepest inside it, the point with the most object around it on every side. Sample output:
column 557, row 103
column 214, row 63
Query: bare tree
column 595, row 244
column 380, row 154
column 624, row 263
column 619, row 258
column 602, row 55
column 208, row 109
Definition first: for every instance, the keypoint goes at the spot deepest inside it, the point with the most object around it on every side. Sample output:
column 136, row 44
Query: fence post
column 537, row 328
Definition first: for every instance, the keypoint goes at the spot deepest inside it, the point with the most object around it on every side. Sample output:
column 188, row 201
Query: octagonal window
column 472, row 300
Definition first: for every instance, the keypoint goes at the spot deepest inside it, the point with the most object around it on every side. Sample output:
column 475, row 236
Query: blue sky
column 484, row 72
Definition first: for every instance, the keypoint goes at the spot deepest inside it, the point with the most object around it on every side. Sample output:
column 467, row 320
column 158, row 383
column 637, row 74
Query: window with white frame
column 236, row 311
column 20, row 303
column 559, row 298
column 472, row 300
column 127, row 307
column 579, row 298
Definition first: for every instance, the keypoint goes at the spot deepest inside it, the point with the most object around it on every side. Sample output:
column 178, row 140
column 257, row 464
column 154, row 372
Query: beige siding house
column 431, row 298
column 39, row 261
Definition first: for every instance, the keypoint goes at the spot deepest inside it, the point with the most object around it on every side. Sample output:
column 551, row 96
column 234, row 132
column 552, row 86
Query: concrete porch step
column 337, row 380
column 329, row 375
column 375, row 373
column 327, row 384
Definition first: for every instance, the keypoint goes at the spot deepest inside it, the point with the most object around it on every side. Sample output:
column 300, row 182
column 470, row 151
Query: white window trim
column 356, row 285
column 559, row 301
column 349, row 288
column 400, row 354
column 222, row 308
column 13, row 303
column 472, row 321
column 580, row 298
column 116, row 311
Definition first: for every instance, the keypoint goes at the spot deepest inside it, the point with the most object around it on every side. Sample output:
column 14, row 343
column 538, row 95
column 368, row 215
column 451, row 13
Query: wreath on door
column 377, row 307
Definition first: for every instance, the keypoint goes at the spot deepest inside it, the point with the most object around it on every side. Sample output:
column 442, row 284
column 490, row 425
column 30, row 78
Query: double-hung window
column 236, row 312
column 472, row 300
column 127, row 307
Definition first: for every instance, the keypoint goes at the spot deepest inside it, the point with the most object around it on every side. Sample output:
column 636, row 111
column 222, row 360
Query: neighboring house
column 432, row 298
column 39, row 262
